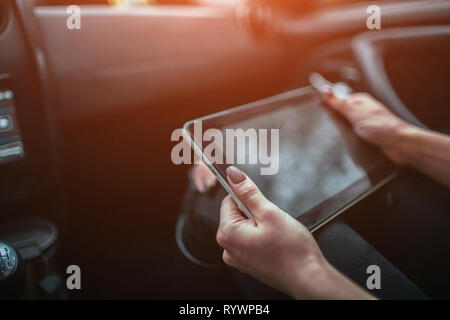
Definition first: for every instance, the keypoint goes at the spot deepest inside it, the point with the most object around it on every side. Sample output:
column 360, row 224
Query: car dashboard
column 25, row 157
column 86, row 115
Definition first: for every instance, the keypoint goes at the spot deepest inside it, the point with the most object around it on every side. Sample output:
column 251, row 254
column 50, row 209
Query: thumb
column 247, row 191
column 336, row 104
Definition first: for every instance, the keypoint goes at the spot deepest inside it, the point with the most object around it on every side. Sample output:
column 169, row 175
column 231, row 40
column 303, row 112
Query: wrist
column 306, row 278
column 310, row 279
column 322, row 281
column 399, row 148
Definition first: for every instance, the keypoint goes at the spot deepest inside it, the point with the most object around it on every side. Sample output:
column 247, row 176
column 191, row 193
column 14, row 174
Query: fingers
column 232, row 232
column 229, row 212
column 246, row 190
column 231, row 261
column 227, row 259
column 353, row 106
column 336, row 104
column 203, row 178
column 230, row 220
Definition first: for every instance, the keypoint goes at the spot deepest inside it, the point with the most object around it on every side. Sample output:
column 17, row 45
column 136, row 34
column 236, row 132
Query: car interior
column 88, row 115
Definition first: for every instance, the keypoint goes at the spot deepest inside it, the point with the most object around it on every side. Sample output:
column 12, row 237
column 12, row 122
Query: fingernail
column 236, row 176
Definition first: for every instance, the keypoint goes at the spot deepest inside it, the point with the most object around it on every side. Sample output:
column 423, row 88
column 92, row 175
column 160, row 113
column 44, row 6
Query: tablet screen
column 322, row 166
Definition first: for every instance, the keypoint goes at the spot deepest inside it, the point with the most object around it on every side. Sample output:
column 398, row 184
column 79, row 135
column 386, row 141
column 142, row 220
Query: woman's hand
column 275, row 248
column 371, row 121
column 403, row 143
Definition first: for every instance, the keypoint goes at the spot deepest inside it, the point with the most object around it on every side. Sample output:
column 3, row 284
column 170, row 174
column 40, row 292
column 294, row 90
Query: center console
column 25, row 158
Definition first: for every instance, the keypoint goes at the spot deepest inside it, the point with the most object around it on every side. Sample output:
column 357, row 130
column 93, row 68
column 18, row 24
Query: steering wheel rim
column 367, row 48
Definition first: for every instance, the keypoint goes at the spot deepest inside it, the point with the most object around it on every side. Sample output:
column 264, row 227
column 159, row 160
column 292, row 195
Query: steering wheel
column 369, row 48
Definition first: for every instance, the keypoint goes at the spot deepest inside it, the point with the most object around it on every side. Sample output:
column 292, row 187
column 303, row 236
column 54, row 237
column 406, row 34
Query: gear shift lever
column 12, row 273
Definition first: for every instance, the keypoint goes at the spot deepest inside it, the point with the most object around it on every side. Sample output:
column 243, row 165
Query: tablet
column 323, row 167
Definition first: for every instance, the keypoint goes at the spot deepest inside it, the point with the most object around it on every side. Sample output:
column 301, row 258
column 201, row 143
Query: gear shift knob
column 12, row 273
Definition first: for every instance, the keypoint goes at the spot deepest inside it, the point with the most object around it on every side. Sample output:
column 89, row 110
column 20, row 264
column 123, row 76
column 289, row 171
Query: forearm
column 324, row 282
column 425, row 151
